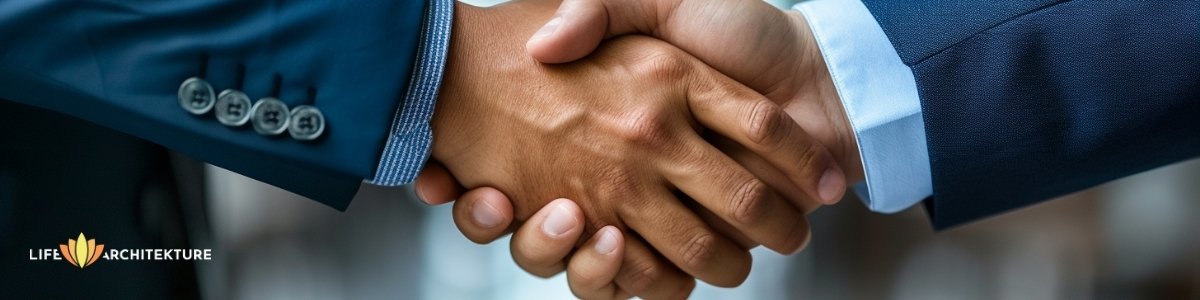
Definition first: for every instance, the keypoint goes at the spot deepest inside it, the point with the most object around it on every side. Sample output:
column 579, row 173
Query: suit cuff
column 408, row 142
column 879, row 94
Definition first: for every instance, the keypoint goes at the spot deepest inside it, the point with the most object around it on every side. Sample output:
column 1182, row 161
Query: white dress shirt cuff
column 880, row 98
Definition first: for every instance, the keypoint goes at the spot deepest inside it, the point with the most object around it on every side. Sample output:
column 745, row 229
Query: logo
column 80, row 253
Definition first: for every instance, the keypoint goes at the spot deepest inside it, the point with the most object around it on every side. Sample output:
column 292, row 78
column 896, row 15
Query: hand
column 769, row 50
column 795, row 76
column 619, row 129
column 484, row 214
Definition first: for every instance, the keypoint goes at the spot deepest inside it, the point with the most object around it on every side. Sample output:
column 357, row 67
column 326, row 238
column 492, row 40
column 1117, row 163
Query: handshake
column 639, row 145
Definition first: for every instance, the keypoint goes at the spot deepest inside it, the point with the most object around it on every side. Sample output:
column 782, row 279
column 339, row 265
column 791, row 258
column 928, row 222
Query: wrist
column 446, row 122
column 485, row 56
column 815, row 85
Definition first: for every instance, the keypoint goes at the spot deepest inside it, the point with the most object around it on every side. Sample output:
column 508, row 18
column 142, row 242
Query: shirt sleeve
column 879, row 94
column 408, row 143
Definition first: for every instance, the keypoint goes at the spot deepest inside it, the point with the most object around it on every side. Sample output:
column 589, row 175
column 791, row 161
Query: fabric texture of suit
column 120, row 63
column 1028, row 100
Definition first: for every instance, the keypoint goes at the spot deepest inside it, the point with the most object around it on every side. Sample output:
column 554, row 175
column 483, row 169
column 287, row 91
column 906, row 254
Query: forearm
column 350, row 62
column 1007, row 120
column 1106, row 90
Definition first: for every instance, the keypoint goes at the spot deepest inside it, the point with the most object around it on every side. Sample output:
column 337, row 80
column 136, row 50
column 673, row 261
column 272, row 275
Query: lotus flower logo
column 81, row 252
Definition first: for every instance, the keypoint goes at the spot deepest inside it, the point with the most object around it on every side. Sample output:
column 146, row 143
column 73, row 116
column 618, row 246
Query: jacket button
column 307, row 123
column 233, row 108
column 269, row 116
column 196, row 96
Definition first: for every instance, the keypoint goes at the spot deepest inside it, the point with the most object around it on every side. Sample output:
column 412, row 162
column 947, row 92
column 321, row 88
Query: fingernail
column 558, row 222
column 833, row 182
column 421, row 193
column 607, row 242
column 485, row 215
column 549, row 28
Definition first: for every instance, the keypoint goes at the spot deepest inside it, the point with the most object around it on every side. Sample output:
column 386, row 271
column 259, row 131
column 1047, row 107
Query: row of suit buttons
column 269, row 116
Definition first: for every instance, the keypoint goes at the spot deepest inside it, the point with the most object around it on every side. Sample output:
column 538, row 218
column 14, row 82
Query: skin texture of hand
column 618, row 133
column 769, row 50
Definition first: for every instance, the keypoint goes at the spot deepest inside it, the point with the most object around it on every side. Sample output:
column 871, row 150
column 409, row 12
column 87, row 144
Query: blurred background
column 1130, row 239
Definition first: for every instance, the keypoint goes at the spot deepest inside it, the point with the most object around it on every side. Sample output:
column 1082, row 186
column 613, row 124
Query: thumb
column 579, row 25
column 435, row 185
column 574, row 32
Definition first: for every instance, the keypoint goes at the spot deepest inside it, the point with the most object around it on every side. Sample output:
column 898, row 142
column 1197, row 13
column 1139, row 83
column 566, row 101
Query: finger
column 763, row 169
column 760, row 125
column 574, row 31
column 579, row 25
column 593, row 267
column 435, row 185
column 719, row 184
column 681, row 237
column 722, row 227
column 646, row 275
column 483, row 214
column 540, row 244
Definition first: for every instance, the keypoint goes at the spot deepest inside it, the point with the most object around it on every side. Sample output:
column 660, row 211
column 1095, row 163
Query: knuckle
column 627, row 196
column 700, row 251
column 810, row 161
column 748, row 202
column 765, row 125
column 646, row 129
column 642, row 277
column 660, row 63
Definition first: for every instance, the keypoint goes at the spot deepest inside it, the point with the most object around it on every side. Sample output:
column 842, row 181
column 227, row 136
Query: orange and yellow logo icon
column 81, row 252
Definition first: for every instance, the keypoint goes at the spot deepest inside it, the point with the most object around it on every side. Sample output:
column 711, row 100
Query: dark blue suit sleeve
column 119, row 64
column 1028, row 100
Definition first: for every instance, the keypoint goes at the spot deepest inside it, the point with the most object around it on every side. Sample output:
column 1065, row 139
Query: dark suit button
column 269, row 116
column 233, row 108
column 307, row 123
column 196, row 96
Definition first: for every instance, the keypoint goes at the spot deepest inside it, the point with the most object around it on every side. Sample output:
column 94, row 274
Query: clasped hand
column 673, row 169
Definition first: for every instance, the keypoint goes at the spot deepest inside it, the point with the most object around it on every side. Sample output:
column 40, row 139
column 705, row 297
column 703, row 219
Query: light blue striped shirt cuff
column 408, row 145
column 879, row 94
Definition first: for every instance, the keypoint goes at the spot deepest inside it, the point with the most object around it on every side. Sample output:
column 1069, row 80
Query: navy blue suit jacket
column 1028, row 100
column 119, row 63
